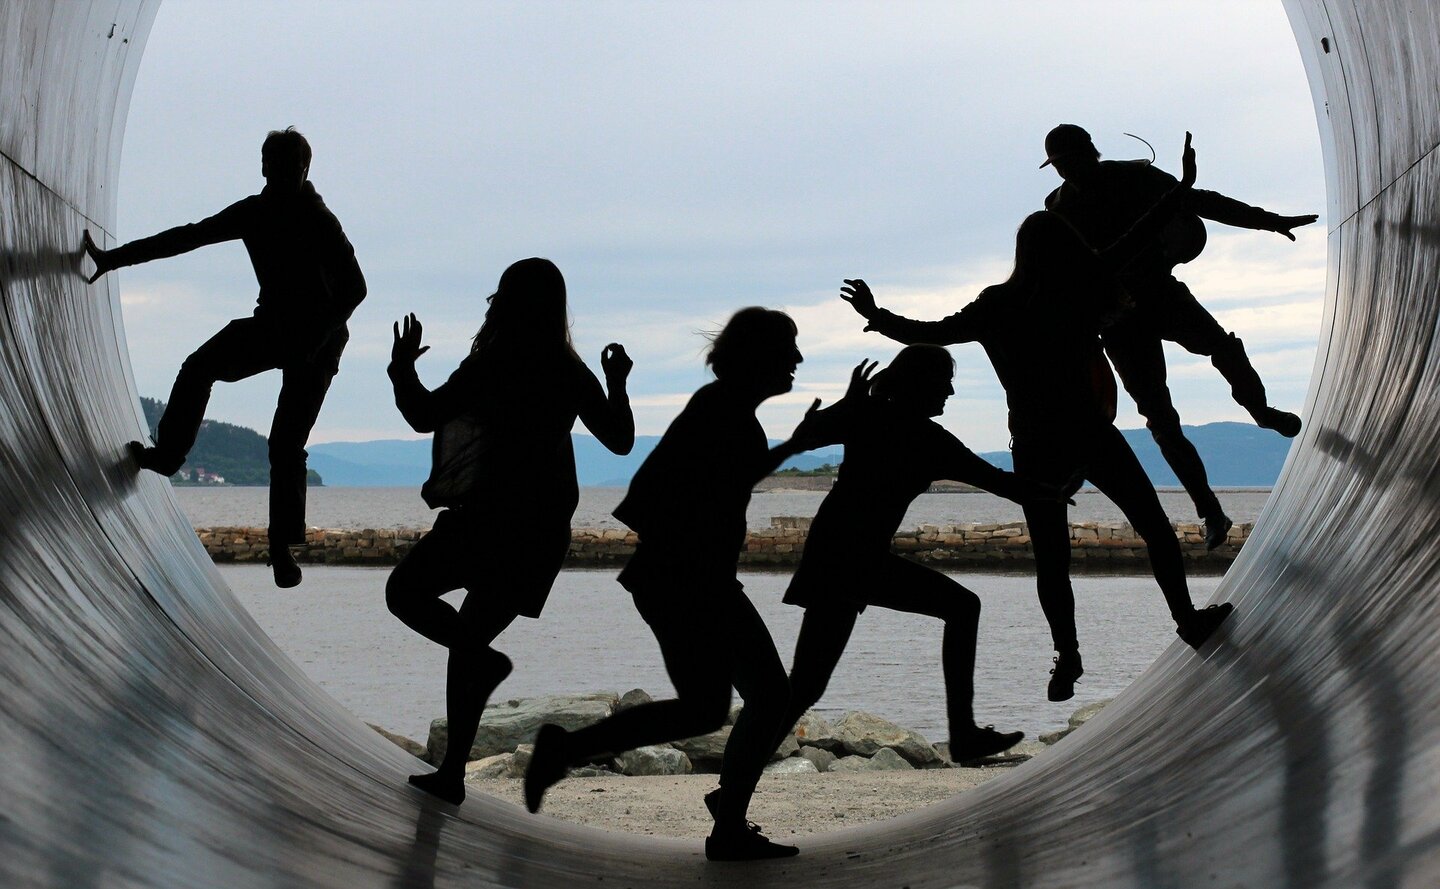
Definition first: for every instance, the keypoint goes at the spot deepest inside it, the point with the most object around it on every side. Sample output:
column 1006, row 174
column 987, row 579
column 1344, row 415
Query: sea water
column 336, row 626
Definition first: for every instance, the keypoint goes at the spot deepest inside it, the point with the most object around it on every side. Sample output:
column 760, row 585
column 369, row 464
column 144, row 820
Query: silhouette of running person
column 893, row 452
column 687, row 502
column 1101, row 200
column 1040, row 329
column 502, row 459
column 309, row 284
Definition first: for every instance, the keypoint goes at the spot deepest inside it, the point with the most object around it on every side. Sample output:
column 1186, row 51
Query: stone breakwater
column 856, row 742
column 1109, row 545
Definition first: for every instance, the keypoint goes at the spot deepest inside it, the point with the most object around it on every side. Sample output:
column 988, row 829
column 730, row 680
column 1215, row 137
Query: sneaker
column 1063, row 677
column 440, row 786
column 1217, row 527
column 744, row 844
column 547, row 764
column 978, row 743
column 287, row 570
column 712, row 805
column 150, row 458
column 1283, row 422
column 1202, row 623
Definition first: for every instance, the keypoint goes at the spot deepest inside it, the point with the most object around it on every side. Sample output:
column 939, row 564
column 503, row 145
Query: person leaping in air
column 1102, row 200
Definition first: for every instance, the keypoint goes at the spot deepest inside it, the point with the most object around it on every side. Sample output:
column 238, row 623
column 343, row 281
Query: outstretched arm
column 961, row 327
column 227, row 225
column 808, row 436
column 964, row 465
column 609, row 418
column 1228, row 211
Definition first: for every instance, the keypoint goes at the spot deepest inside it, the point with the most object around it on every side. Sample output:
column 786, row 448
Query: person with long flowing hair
column 502, row 461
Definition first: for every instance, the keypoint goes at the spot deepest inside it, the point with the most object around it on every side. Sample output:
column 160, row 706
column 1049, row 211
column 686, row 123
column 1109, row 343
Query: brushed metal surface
column 153, row 736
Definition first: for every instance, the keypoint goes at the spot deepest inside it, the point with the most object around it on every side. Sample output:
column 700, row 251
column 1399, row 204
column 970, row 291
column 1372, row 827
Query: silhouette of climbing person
column 687, row 503
column 1040, row 329
column 502, row 459
column 1101, row 200
column 893, row 452
column 309, row 284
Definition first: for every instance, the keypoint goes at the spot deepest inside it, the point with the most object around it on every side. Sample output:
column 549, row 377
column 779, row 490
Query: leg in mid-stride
column 706, row 651
column 439, row 563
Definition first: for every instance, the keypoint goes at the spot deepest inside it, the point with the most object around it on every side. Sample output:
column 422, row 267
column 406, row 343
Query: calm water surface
column 590, row 639
column 403, row 508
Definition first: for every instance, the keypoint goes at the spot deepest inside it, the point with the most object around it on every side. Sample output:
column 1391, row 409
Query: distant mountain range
column 1236, row 455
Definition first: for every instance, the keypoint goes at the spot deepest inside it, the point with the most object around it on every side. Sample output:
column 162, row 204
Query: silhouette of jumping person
column 687, row 502
column 309, row 284
column 1101, row 200
column 893, row 452
column 1040, row 329
column 502, row 459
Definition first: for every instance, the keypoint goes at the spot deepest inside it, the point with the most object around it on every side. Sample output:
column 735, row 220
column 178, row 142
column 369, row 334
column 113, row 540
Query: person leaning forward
column 1102, row 200
column 309, row 283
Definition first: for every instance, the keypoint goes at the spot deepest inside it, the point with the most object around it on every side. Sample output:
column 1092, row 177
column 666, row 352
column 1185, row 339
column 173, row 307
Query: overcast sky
column 681, row 160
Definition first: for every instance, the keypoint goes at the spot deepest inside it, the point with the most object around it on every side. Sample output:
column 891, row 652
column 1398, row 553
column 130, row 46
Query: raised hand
column 1285, row 223
column 1187, row 164
column 615, row 363
column 101, row 258
column 407, row 346
column 857, row 293
column 807, row 436
column 860, row 379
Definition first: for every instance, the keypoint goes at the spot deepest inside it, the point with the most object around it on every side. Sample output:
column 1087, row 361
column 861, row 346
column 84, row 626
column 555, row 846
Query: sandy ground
column 784, row 805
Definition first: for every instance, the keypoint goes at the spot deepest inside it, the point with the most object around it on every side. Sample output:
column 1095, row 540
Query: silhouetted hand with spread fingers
column 101, row 258
column 615, row 363
column 857, row 293
column 407, row 348
column 860, row 379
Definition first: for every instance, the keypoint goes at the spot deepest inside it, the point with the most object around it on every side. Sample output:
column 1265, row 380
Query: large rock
column 412, row 747
column 1084, row 714
column 1053, row 737
column 821, row 757
column 507, row 725
column 654, row 761
column 884, row 760
column 812, row 731
column 490, row 767
column 633, row 698
column 866, row 735
column 795, row 765
column 788, row 748
column 706, row 748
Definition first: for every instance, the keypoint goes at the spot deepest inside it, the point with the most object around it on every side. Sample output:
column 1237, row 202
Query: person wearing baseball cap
column 1102, row 200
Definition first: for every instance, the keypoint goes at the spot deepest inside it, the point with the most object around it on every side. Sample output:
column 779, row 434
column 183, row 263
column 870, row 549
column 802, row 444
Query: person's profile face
column 934, row 392
column 1075, row 165
column 777, row 375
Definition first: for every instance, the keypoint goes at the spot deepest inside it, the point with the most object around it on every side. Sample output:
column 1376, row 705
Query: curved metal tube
column 152, row 735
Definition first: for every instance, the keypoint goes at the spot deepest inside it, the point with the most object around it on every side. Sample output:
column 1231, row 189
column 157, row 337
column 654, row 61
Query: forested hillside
column 223, row 453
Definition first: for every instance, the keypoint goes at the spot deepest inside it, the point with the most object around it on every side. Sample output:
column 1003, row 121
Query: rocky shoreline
column 1102, row 545
column 856, row 742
